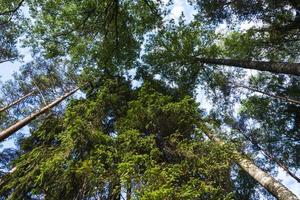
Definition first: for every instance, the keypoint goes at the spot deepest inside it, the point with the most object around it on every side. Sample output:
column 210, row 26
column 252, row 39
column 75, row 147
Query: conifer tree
column 134, row 129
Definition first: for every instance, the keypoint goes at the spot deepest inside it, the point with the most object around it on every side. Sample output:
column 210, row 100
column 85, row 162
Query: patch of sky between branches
column 178, row 8
column 7, row 69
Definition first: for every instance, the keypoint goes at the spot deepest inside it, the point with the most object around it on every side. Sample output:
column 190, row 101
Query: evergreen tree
column 136, row 129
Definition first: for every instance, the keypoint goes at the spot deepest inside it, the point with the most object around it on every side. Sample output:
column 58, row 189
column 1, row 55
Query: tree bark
column 16, row 102
column 289, row 100
column 276, row 188
column 271, row 157
column 20, row 124
column 274, row 67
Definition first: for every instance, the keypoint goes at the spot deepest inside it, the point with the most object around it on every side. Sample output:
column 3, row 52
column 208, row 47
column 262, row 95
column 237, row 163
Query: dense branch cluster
column 121, row 101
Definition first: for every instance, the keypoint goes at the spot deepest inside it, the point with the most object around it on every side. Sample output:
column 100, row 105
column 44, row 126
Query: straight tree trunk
column 274, row 67
column 289, row 100
column 276, row 188
column 282, row 165
column 16, row 102
column 271, row 157
column 20, row 124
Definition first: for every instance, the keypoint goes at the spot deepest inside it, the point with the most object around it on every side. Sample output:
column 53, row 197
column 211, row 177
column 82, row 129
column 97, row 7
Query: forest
column 137, row 100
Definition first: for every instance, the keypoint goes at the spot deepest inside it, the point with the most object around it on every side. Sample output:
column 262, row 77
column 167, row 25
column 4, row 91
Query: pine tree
column 12, row 129
column 134, row 130
column 16, row 102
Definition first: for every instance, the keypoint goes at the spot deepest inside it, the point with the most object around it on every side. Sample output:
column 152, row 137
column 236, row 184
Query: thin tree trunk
column 289, row 100
column 16, row 102
column 20, row 124
column 276, row 188
column 271, row 157
column 274, row 67
column 282, row 165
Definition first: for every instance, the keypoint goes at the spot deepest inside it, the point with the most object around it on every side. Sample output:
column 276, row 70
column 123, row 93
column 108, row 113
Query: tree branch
column 8, row 12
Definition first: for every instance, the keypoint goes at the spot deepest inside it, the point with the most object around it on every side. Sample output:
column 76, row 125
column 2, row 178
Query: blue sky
column 7, row 69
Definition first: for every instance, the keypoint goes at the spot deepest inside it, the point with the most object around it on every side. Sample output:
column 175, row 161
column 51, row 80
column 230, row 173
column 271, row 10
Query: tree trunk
column 282, row 165
column 274, row 67
column 20, row 124
column 271, row 157
column 289, row 100
column 276, row 188
column 16, row 102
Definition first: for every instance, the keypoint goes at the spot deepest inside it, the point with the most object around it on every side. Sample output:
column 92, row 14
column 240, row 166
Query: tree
column 282, row 17
column 267, row 181
column 134, row 129
column 16, row 102
column 136, row 154
column 10, row 29
column 12, row 129
column 282, row 98
column 275, row 67
column 187, row 47
column 275, row 26
column 106, row 32
column 271, row 118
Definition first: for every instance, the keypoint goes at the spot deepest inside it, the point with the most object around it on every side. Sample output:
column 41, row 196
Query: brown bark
column 16, row 102
column 20, row 124
column 276, row 188
column 274, row 67
column 289, row 100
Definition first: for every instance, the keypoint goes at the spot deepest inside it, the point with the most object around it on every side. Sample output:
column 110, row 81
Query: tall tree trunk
column 289, row 100
column 274, row 67
column 16, row 102
column 271, row 157
column 20, row 124
column 276, row 188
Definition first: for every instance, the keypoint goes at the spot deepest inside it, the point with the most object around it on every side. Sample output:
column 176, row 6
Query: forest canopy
column 122, row 100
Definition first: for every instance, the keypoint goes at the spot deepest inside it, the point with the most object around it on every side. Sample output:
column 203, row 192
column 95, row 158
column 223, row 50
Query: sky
column 8, row 68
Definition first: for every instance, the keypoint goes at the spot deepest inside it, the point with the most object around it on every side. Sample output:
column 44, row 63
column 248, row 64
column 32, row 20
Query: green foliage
column 277, row 14
column 10, row 29
column 172, row 51
column 152, row 148
column 108, row 33
column 274, row 123
column 275, row 33
column 143, row 140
